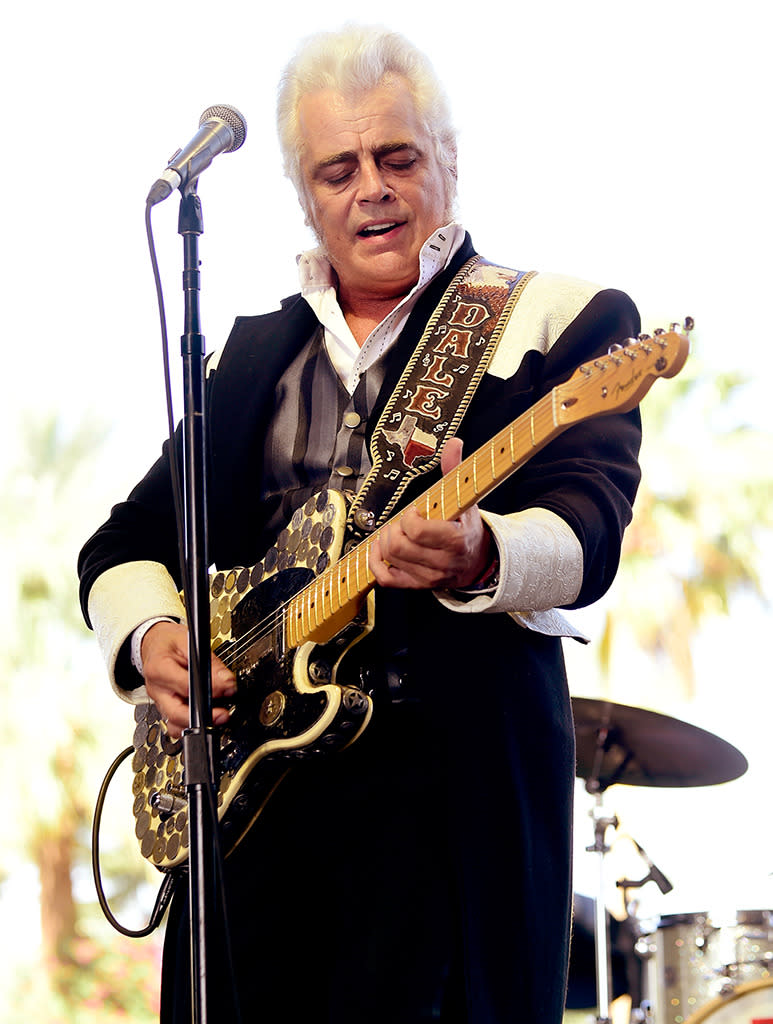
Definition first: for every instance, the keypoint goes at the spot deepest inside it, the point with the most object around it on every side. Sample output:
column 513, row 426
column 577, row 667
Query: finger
column 450, row 458
column 174, row 712
column 451, row 455
column 223, row 679
column 425, row 540
column 436, row 553
column 171, row 695
column 398, row 561
column 223, row 688
column 386, row 574
column 166, row 677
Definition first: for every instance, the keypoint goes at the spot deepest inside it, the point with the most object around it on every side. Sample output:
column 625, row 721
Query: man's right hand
column 164, row 654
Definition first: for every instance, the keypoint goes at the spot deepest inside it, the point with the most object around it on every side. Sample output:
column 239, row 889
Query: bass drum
column 751, row 1003
column 691, row 963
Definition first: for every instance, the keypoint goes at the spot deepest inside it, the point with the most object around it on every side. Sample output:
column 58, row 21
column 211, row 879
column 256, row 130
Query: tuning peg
column 684, row 328
column 644, row 337
column 657, row 331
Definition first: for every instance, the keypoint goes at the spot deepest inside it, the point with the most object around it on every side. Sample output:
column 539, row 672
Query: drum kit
column 689, row 968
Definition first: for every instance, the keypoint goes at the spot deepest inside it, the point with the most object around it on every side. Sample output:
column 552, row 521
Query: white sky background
column 624, row 143
column 618, row 142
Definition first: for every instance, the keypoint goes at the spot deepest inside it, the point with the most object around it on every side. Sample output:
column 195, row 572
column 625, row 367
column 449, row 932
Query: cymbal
column 631, row 746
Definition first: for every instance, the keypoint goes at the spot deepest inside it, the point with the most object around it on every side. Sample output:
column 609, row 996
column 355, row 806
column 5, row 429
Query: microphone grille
column 232, row 117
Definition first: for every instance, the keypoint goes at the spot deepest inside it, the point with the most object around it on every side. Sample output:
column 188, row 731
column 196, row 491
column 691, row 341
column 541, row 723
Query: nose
column 373, row 187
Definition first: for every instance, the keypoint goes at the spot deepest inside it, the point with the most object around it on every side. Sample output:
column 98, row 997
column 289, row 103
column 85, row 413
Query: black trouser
column 342, row 900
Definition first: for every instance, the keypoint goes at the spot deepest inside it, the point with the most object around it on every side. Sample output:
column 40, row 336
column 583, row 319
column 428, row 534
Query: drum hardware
column 601, row 823
column 622, row 745
column 642, row 1014
column 654, row 875
column 603, row 961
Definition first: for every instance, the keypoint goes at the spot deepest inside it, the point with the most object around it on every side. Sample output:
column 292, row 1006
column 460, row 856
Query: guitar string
column 542, row 411
column 538, row 415
column 271, row 621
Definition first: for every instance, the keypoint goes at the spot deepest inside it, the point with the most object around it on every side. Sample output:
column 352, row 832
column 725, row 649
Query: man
column 422, row 873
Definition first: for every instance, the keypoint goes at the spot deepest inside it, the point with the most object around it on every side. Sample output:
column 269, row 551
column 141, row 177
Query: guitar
column 285, row 625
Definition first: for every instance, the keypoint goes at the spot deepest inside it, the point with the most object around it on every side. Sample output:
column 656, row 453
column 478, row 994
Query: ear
column 306, row 203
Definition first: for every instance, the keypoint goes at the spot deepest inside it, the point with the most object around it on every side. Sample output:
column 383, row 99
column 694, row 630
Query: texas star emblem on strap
column 437, row 385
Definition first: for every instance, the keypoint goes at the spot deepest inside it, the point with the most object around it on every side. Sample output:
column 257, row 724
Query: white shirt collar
column 318, row 288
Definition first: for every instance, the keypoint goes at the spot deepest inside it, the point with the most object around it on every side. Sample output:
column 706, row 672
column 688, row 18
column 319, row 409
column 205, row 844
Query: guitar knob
column 319, row 671
column 272, row 708
column 241, row 804
column 355, row 701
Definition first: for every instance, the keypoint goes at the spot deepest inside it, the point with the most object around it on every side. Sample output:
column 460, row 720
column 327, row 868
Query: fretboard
column 615, row 382
column 332, row 600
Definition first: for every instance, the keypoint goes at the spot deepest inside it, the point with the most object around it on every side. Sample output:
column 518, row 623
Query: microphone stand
column 197, row 739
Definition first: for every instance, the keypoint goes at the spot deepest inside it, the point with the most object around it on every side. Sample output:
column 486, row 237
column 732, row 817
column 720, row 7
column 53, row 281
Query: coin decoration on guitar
column 313, row 538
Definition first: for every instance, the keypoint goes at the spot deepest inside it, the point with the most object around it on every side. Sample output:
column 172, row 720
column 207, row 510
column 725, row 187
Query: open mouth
column 374, row 230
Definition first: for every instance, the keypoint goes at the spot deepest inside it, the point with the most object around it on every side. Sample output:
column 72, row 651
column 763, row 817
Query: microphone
column 656, row 875
column 222, row 129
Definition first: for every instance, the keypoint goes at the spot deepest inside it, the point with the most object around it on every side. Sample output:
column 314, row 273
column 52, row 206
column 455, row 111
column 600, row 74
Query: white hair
column 353, row 62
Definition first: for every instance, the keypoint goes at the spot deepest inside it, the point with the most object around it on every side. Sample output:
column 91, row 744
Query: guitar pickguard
column 289, row 703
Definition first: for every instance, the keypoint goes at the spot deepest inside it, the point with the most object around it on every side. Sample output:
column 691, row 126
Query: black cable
column 171, row 451
column 167, row 886
column 166, row 890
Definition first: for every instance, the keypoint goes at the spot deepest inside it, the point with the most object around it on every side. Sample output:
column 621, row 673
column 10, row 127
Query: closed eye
column 397, row 158
column 402, row 165
column 339, row 179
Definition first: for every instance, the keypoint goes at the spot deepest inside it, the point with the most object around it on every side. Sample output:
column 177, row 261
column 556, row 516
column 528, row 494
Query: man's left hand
column 417, row 553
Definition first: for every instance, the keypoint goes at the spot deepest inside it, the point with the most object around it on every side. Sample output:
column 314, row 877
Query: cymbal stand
column 595, row 786
column 601, row 931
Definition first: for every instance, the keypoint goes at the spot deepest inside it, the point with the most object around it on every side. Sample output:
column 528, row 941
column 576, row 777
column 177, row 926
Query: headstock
column 618, row 381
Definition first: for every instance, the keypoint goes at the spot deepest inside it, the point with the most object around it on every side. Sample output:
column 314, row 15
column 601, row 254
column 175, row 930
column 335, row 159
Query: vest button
column 352, row 420
column 344, row 470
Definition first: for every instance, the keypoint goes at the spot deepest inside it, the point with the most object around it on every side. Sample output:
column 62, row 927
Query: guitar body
column 285, row 625
column 291, row 703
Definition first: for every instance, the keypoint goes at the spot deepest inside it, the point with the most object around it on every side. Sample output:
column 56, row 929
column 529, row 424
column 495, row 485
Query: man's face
column 376, row 190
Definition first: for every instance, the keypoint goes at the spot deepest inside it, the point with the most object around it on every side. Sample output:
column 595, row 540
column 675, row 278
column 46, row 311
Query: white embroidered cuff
column 540, row 565
column 122, row 599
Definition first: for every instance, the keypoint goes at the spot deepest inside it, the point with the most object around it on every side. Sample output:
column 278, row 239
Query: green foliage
column 60, row 726
column 702, row 515
column 110, row 984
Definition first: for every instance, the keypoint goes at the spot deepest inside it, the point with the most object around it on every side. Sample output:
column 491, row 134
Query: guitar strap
column 437, row 385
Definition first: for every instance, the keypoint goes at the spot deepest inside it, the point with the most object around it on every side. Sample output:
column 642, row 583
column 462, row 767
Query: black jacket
column 478, row 852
